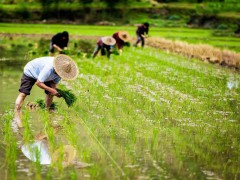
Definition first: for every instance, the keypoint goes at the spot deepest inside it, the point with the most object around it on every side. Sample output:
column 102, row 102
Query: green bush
column 222, row 26
column 174, row 17
column 23, row 12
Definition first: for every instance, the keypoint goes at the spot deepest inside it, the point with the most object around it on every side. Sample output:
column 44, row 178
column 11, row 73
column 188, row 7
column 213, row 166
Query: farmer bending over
column 105, row 44
column 46, row 73
column 121, row 38
column 59, row 42
column 141, row 31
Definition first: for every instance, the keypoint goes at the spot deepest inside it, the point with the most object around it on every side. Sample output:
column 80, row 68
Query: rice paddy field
column 145, row 114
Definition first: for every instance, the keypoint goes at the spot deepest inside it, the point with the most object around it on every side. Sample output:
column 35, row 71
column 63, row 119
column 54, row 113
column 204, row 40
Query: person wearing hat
column 121, row 38
column 46, row 73
column 142, row 33
column 105, row 44
column 59, row 42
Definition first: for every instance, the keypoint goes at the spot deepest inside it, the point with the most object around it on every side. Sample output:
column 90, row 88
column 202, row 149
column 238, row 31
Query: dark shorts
column 27, row 84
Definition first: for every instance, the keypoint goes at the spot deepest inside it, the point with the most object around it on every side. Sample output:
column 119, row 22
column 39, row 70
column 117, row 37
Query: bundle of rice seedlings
column 68, row 96
column 42, row 105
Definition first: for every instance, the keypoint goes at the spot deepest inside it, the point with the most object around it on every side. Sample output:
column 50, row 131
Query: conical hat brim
column 124, row 35
column 58, row 63
column 106, row 41
column 68, row 152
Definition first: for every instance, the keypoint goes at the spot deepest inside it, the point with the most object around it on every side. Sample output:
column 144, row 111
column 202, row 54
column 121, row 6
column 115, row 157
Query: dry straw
column 200, row 51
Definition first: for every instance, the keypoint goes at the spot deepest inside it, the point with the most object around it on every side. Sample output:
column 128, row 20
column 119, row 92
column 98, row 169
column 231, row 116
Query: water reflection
column 37, row 151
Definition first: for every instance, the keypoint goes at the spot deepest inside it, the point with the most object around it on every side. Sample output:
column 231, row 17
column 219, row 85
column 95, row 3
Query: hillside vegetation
column 220, row 15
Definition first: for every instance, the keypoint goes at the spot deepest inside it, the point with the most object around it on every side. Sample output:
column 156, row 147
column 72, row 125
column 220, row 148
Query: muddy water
column 10, row 73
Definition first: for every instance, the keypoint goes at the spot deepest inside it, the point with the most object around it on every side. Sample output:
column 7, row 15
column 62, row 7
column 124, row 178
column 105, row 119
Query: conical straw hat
column 65, row 67
column 108, row 40
column 124, row 35
column 67, row 154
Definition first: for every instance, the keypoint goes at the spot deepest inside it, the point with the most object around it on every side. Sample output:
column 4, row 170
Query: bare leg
column 143, row 41
column 48, row 100
column 17, row 110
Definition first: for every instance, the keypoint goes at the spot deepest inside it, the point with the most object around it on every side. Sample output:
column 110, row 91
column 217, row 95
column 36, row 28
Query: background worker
column 105, row 44
column 121, row 37
column 59, row 42
column 142, row 33
column 46, row 73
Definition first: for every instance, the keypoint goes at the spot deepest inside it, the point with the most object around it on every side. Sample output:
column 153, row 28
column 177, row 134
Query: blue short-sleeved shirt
column 42, row 69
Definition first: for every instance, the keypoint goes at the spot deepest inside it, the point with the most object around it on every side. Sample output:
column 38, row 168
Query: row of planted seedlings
column 213, row 111
column 132, row 115
column 105, row 114
column 127, row 115
column 140, row 118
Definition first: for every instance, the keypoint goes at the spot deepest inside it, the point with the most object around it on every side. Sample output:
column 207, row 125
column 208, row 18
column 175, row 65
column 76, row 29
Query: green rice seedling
column 27, row 133
column 41, row 104
column 68, row 96
column 11, row 148
column 115, row 51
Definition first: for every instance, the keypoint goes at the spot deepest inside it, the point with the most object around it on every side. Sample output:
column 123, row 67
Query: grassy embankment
column 143, row 114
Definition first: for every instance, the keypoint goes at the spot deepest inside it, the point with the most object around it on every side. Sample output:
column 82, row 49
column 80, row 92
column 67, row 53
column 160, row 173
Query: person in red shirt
column 142, row 33
column 121, row 38
column 105, row 44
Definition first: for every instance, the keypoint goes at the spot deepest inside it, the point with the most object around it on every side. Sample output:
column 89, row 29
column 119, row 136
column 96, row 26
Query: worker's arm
column 57, row 47
column 53, row 91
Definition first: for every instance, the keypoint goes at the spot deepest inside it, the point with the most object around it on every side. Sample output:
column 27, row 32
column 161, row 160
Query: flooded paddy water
column 145, row 114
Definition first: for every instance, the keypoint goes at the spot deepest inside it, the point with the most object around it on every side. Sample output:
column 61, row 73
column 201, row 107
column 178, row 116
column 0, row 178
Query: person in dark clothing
column 121, row 38
column 59, row 42
column 105, row 44
column 141, row 31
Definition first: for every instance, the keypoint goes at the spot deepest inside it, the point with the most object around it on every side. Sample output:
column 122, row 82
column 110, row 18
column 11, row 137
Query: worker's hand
column 55, row 93
column 64, row 52
column 59, row 95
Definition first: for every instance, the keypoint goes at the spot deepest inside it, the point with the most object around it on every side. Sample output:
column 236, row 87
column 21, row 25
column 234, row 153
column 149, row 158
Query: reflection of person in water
column 38, row 151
